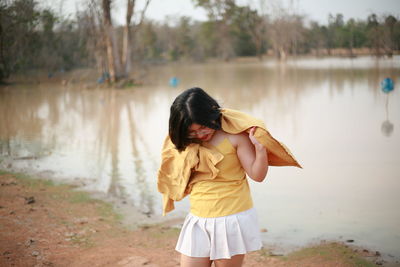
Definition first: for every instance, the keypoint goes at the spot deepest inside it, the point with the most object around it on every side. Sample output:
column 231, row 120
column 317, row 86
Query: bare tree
column 120, row 65
column 259, row 29
column 93, row 22
column 128, row 35
column 219, row 11
column 112, row 55
column 285, row 32
column 126, row 48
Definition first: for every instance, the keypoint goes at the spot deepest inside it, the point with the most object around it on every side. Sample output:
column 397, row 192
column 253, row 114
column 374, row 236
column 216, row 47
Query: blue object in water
column 174, row 81
column 100, row 80
column 104, row 77
column 387, row 85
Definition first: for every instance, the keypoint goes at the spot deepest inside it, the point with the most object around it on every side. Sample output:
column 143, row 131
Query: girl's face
column 200, row 132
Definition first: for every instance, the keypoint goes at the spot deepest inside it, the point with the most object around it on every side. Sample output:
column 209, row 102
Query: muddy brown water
column 331, row 113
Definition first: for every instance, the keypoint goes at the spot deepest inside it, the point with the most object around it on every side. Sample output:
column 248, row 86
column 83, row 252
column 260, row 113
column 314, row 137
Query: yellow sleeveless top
column 227, row 193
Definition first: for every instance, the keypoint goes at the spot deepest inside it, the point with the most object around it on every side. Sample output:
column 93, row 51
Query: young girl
column 207, row 154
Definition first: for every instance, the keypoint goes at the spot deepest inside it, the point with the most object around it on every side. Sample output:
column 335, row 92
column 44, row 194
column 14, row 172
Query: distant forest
column 34, row 37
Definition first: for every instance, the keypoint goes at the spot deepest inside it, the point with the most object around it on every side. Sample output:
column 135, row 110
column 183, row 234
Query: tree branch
column 142, row 15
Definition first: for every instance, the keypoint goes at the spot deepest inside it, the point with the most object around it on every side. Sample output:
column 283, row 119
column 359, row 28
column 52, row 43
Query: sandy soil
column 46, row 225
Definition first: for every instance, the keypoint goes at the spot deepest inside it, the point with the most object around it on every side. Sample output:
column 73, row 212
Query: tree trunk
column 114, row 63
column 106, row 4
column 126, row 45
column 128, row 35
column 119, row 65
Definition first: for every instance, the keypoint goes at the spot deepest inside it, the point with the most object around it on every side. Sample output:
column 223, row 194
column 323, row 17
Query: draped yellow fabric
column 174, row 175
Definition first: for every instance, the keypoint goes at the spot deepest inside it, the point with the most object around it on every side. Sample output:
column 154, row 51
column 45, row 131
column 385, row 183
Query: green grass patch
column 362, row 262
column 28, row 180
column 329, row 252
column 82, row 241
column 106, row 211
column 164, row 232
column 64, row 192
column 80, row 197
column 263, row 252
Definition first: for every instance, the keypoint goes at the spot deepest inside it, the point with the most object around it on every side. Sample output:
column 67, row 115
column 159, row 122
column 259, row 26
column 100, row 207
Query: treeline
column 34, row 37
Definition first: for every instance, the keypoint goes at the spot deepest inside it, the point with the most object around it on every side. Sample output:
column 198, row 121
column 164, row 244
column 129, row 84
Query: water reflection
column 387, row 86
column 76, row 134
column 328, row 114
column 387, row 127
column 119, row 148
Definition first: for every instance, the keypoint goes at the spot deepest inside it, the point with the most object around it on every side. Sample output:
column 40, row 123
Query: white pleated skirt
column 220, row 237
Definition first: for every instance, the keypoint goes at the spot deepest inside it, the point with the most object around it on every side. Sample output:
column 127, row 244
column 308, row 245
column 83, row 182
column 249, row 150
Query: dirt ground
column 43, row 224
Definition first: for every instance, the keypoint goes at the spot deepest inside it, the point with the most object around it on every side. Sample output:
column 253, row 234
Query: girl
column 207, row 154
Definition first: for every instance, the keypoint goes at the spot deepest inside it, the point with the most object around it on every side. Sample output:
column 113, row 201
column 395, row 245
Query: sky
column 317, row 10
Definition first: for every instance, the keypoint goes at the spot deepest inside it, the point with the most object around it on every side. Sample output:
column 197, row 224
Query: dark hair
column 192, row 106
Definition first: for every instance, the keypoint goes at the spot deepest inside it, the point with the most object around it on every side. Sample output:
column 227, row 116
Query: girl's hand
column 256, row 144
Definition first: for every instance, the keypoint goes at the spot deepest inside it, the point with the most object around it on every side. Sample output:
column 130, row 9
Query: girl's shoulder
column 237, row 139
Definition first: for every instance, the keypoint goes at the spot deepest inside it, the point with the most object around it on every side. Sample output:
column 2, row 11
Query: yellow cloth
column 228, row 193
column 176, row 167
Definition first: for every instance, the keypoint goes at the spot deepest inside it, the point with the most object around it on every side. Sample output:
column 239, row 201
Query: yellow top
column 227, row 193
column 175, row 179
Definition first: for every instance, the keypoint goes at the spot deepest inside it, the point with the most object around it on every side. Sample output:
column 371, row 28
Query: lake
column 330, row 112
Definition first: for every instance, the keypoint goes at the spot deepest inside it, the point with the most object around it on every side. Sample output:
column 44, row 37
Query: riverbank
column 43, row 224
column 90, row 78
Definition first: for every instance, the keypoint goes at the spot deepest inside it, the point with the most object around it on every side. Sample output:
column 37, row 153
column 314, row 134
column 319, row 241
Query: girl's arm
column 252, row 155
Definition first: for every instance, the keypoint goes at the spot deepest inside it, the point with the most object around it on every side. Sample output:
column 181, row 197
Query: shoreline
column 130, row 215
column 88, row 76
column 48, row 223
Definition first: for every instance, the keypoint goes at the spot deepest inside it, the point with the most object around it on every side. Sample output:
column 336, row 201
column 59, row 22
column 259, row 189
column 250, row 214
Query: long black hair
column 192, row 106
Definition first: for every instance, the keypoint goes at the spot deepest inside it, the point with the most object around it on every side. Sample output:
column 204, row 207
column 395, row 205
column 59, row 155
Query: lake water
column 331, row 113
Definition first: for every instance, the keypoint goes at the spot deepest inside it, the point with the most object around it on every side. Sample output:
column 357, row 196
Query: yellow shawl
column 177, row 167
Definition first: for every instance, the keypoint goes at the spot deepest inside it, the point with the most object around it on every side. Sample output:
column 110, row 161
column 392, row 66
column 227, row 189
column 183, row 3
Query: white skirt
column 220, row 237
